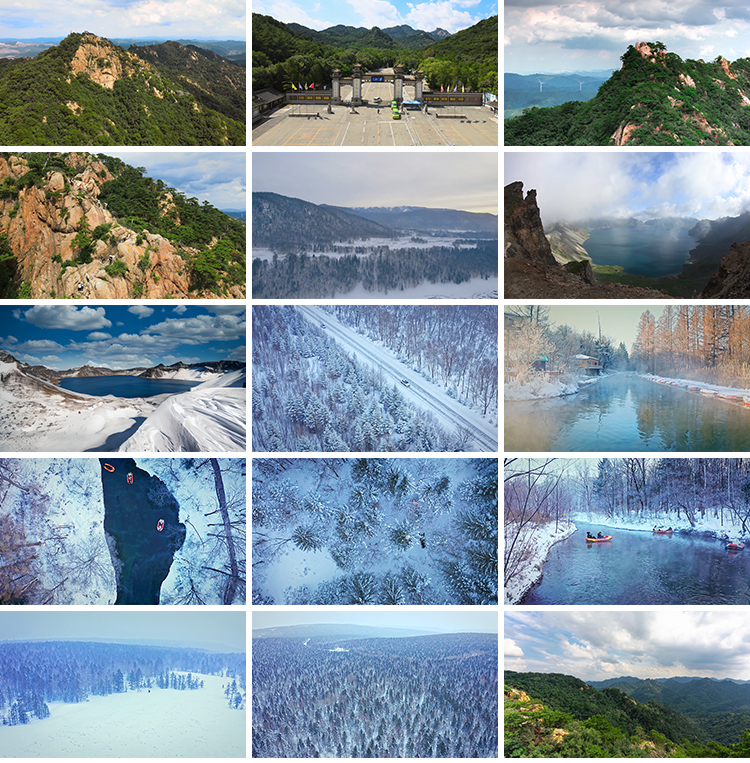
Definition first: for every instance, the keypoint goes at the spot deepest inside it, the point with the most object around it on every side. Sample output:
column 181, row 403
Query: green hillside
column 88, row 91
column 555, row 715
column 285, row 54
column 656, row 99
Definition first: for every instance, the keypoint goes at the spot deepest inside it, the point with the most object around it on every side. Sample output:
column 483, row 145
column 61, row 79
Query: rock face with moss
column 655, row 99
column 86, row 226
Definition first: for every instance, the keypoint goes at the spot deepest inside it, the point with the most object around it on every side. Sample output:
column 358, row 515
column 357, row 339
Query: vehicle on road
column 405, row 382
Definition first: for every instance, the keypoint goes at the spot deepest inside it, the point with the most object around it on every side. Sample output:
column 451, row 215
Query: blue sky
column 62, row 336
column 170, row 19
column 596, row 645
column 438, row 621
column 451, row 15
column 576, row 185
column 216, row 177
column 618, row 321
column 217, row 631
column 544, row 36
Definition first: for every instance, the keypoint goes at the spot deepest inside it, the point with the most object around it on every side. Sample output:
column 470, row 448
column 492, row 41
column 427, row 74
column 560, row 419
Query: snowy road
column 420, row 392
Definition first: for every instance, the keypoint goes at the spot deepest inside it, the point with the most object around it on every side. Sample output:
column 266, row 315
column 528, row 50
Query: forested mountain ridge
column 79, row 225
column 284, row 54
column 285, row 224
column 213, row 81
column 88, row 91
column 656, row 98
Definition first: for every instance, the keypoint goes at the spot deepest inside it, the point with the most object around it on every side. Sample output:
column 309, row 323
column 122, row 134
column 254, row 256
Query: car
column 396, row 115
column 377, row 99
column 322, row 325
column 405, row 382
column 160, row 525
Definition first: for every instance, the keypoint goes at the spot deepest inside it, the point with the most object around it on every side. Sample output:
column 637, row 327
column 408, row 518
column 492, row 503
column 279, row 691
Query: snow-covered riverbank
column 709, row 524
column 536, row 546
column 542, row 385
column 733, row 394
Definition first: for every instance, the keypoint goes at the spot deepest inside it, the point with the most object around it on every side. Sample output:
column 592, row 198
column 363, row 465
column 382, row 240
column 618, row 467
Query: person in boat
column 599, row 535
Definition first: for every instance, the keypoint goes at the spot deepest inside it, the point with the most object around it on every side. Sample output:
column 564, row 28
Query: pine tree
column 307, row 538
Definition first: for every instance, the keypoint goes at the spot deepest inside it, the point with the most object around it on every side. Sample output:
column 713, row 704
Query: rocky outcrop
column 732, row 279
column 43, row 220
column 104, row 62
column 524, row 232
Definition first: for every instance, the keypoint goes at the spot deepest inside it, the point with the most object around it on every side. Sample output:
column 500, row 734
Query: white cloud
column 180, row 309
column 429, row 16
column 67, row 317
column 291, row 13
column 96, row 336
column 142, row 311
column 378, row 13
column 39, row 345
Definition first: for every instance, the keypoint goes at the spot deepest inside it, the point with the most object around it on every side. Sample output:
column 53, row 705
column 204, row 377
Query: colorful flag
column 442, row 89
column 455, row 88
column 293, row 87
column 300, row 87
column 312, row 86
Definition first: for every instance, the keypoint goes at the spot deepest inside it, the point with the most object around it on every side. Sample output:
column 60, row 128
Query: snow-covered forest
column 35, row 673
column 376, row 378
column 55, row 549
column 375, row 531
column 417, row 697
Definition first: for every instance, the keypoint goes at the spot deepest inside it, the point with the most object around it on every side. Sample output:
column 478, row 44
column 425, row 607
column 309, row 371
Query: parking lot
column 373, row 125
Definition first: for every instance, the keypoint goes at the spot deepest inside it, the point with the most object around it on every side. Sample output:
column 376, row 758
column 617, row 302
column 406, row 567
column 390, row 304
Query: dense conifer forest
column 417, row 697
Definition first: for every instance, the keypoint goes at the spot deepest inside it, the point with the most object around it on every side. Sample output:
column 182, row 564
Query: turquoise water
column 642, row 250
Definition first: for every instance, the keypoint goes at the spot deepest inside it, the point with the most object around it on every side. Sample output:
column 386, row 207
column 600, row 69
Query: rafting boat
column 664, row 532
column 598, row 540
column 734, row 546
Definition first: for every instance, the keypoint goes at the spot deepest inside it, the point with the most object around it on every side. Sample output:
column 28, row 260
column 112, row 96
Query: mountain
column 656, row 98
column 429, row 219
column 532, row 270
column 286, row 224
column 89, row 91
column 469, row 56
column 522, row 91
column 334, row 631
column 80, row 225
column 214, row 82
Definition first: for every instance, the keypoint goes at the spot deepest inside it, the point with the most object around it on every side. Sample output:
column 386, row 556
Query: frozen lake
column 162, row 723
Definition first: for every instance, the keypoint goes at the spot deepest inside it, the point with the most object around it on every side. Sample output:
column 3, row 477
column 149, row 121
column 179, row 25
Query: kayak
column 735, row 546
column 664, row 532
column 598, row 540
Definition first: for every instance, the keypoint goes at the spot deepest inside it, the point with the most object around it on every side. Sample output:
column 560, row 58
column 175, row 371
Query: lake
column 125, row 386
column 644, row 250
column 638, row 567
column 627, row 413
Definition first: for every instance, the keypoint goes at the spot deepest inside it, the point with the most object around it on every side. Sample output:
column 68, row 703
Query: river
column 142, row 519
column 638, row 567
column 627, row 413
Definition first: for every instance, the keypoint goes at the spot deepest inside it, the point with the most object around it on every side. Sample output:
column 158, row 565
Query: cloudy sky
column 545, row 36
column 217, row 631
column 465, row 181
column 62, row 336
column 170, row 19
column 594, row 646
column 468, row 620
column 216, row 177
column 579, row 185
column 451, row 15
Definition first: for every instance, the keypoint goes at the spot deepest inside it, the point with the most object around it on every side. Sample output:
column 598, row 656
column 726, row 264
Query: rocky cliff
column 531, row 270
column 732, row 280
column 66, row 243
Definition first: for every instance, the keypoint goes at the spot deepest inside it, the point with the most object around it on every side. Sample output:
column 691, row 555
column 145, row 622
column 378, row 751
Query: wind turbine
column 580, row 85
column 541, row 82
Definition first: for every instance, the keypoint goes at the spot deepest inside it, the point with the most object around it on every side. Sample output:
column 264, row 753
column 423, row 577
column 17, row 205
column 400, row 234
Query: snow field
column 162, row 723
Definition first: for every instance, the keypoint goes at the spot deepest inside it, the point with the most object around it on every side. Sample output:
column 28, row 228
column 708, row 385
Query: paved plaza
column 373, row 125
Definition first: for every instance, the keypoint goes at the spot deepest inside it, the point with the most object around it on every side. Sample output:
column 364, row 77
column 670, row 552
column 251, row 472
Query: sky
column 216, row 177
column 451, row 15
column 618, row 321
column 575, row 186
column 454, row 621
column 594, row 646
column 542, row 36
column 466, row 181
column 170, row 19
column 62, row 336
column 204, row 630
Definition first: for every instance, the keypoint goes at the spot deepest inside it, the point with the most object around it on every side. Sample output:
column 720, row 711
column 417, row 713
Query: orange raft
column 598, row 540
